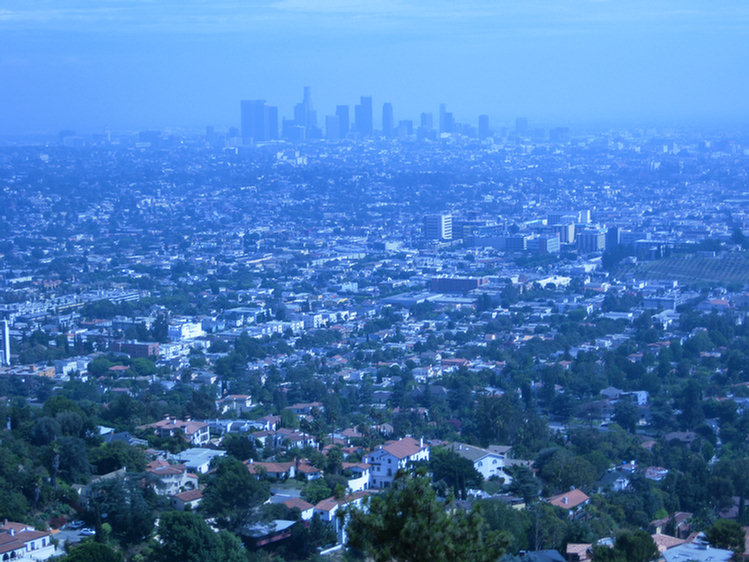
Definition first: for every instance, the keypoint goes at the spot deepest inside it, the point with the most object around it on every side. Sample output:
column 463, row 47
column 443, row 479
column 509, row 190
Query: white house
column 198, row 460
column 487, row 462
column 357, row 474
column 386, row 460
column 170, row 479
column 197, row 433
column 20, row 542
column 328, row 511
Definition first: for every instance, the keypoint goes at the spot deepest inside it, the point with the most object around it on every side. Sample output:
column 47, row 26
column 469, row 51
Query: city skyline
column 133, row 66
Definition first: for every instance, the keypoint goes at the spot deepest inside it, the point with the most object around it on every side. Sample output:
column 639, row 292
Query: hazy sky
column 89, row 65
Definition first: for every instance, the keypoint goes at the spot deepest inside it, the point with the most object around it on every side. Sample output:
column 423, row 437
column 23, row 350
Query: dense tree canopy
column 409, row 524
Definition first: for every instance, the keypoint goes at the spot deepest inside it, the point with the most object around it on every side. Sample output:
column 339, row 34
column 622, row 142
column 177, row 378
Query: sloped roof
column 569, row 500
column 403, row 448
column 297, row 503
column 664, row 542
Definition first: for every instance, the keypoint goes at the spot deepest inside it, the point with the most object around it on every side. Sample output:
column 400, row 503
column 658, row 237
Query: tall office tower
column 591, row 241
column 332, row 127
column 438, row 227
column 304, row 115
column 443, row 112
column 405, row 128
column 363, row 117
column 483, row 127
column 341, row 112
column 5, row 342
column 271, row 117
column 427, row 121
column 521, row 126
column 612, row 237
column 254, row 122
column 387, row 120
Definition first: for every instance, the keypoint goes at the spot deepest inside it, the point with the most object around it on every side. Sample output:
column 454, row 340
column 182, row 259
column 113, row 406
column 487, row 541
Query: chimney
column 421, row 441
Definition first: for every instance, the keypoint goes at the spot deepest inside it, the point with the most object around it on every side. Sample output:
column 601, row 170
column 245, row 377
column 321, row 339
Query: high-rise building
column 483, row 127
column 342, row 112
column 438, row 227
column 332, row 127
column 363, row 117
column 5, row 342
column 447, row 122
column 521, row 126
column 387, row 120
column 612, row 237
column 427, row 121
column 305, row 116
column 271, row 114
column 591, row 241
column 259, row 121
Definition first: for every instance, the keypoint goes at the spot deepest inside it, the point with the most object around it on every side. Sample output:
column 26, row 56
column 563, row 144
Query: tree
column 240, row 447
column 457, row 472
column 409, row 524
column 524, row 483
column 626, row 414
column 115, row 455
column 120, row 503
column 232, row 491
column 186, row 537
column 629, row 547
column 316, row 490
column 637, row 546
column 726, row 533
column 160, row 329
column 91, row 551
column 73, row 459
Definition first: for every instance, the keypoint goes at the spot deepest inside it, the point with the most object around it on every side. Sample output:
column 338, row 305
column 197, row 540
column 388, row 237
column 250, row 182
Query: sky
column 129, row 65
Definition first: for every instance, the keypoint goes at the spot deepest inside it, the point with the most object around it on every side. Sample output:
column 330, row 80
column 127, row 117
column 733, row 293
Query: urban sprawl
column 267, row 334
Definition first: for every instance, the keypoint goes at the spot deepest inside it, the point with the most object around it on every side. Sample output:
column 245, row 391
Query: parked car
column 76, row 524
column 86, row 532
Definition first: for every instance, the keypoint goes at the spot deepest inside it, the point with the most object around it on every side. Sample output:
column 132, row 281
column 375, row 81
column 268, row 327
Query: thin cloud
column 478, row 16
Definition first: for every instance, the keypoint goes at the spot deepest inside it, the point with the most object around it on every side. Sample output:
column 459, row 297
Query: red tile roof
column 569, row 500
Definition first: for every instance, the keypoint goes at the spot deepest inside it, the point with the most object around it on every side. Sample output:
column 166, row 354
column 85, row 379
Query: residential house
column 21, row 542
column 573, row 501
column 579, row 552
column 487, row 463
column 237, row 403
column 614, row 480
column 386, row 460
column 307, row 471
column 307, row 510
column 188, row 498
column 197, row 459
column 329, row 508
column 679, row 524
column 261, row 534
column 697, row 551
column 306, row 409
column 664, row 542
column 279, row 470
column 170, row 479
column 197, row 433
column 357, row 474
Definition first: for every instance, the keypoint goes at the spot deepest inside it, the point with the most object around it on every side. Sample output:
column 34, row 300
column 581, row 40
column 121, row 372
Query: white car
column 86, row 532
